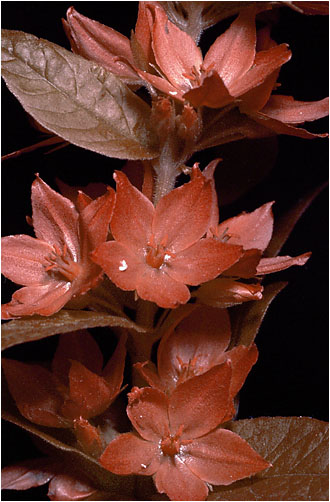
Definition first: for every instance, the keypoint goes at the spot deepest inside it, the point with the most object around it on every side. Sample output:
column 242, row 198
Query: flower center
column 157, row 254
column 170, row 446
column 187, row 370
column 59, row 262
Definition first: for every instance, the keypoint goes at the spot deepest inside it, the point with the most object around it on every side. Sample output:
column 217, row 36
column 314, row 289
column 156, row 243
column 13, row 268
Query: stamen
column 59, row 262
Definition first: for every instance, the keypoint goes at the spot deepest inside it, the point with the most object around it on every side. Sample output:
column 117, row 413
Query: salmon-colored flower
column 194, row 346
column 55, row 266
column 158, row 250
column 76, row 389
column 177, row 439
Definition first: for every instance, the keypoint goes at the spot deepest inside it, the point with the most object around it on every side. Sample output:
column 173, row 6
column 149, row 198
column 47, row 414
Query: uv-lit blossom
column 178, row 441
column 55, row 266
column 75, row 390
column 194, row 346
column 160, row 250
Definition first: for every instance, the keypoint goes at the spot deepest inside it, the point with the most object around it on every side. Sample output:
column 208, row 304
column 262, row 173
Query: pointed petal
column 70, row 487
column 101, row 44
column 121, row 265
column 23, row 259
column 89, row 394
column 147, row 410
column 222, row 457
column 255, row 99
column 212, row 93
column 113, row 372
column 155, row 285
column 223, row 293
column 246, row 267
column 250, row 230
column 208, row 173
column 242, row 359
column 88, row 437
column 43, row 300
column 265, row 63
column 95, row 219
column 34, row 392
column 233, row 52
column 286, row 109
column 128, row 454
column 203, row 261
column 269, row 265
column 201, row 403
column 148, row 371
column 29, row 474
column 133, row 214
column 195, row 346
column 278, row 127
column 143, row 31
column 78, row 346
column 161, row 84
column 178, row 482
column 182, row 216
column 55, row 218
column 175, row 51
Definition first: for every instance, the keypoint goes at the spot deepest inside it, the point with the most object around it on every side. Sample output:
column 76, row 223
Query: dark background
column 291, row 376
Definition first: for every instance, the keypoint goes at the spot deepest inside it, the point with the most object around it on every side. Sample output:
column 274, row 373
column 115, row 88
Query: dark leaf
column 246, row 319
column 38, row 327
column 75, row 98
column 298, row 449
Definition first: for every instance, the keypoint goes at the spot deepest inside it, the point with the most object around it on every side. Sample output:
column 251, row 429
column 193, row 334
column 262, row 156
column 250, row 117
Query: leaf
column 298, row 449
column 38, row 327
column 51, row 441
column 283, row 226
column 246, row 319
column 75, row 98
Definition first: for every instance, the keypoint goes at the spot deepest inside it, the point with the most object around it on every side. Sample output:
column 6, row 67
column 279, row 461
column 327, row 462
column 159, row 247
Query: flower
column 158, row 250
column 64, row 482
column 252, row 231
column 75, row 390
column 177, row 439
column 55, row 266
column 194, row 345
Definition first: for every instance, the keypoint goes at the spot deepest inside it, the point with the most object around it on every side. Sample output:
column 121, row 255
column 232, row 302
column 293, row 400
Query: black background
column 291, row 375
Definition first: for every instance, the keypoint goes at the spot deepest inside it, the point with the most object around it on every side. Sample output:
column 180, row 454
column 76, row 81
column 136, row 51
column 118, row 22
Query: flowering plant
column 135, row 291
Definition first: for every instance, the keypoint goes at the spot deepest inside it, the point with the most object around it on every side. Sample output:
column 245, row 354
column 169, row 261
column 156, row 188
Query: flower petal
column 233, row 52
column 128, row 454
column 212, row 93
column 29, row 474
column 34, row 392
column 23, row 259
column 70, row 487
column 242, row 359
column 169, row 40
column 195, row 346
column 89, row 394
column 43, row 300
column 78, row 346
column 88, row 437
column 147, row 410
column 222, row 457
column 148, row 371
column 246, row 267
column 265, row 63
column 278, row 127
column 133, row 214
column 178, row 482
column 99, row 43
column 157, row 286
column 161, row 84
column 250, row 230
column 55, row 218
column 286, row 109
column 270, row 265
column 95, row 219
column 183, row 215
column 120, row 263
column 113, row 372
column 223, row 293
column 203, row 261
column 201, row 403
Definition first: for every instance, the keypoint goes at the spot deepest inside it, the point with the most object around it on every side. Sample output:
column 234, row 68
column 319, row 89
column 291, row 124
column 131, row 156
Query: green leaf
column 38, row 327
column 297, row 447
column 246, row 319
column 76, row 99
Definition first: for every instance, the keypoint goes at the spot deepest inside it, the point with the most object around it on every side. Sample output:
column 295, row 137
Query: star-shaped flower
column 158, row 250
column 177, row 439
column 55, row 266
